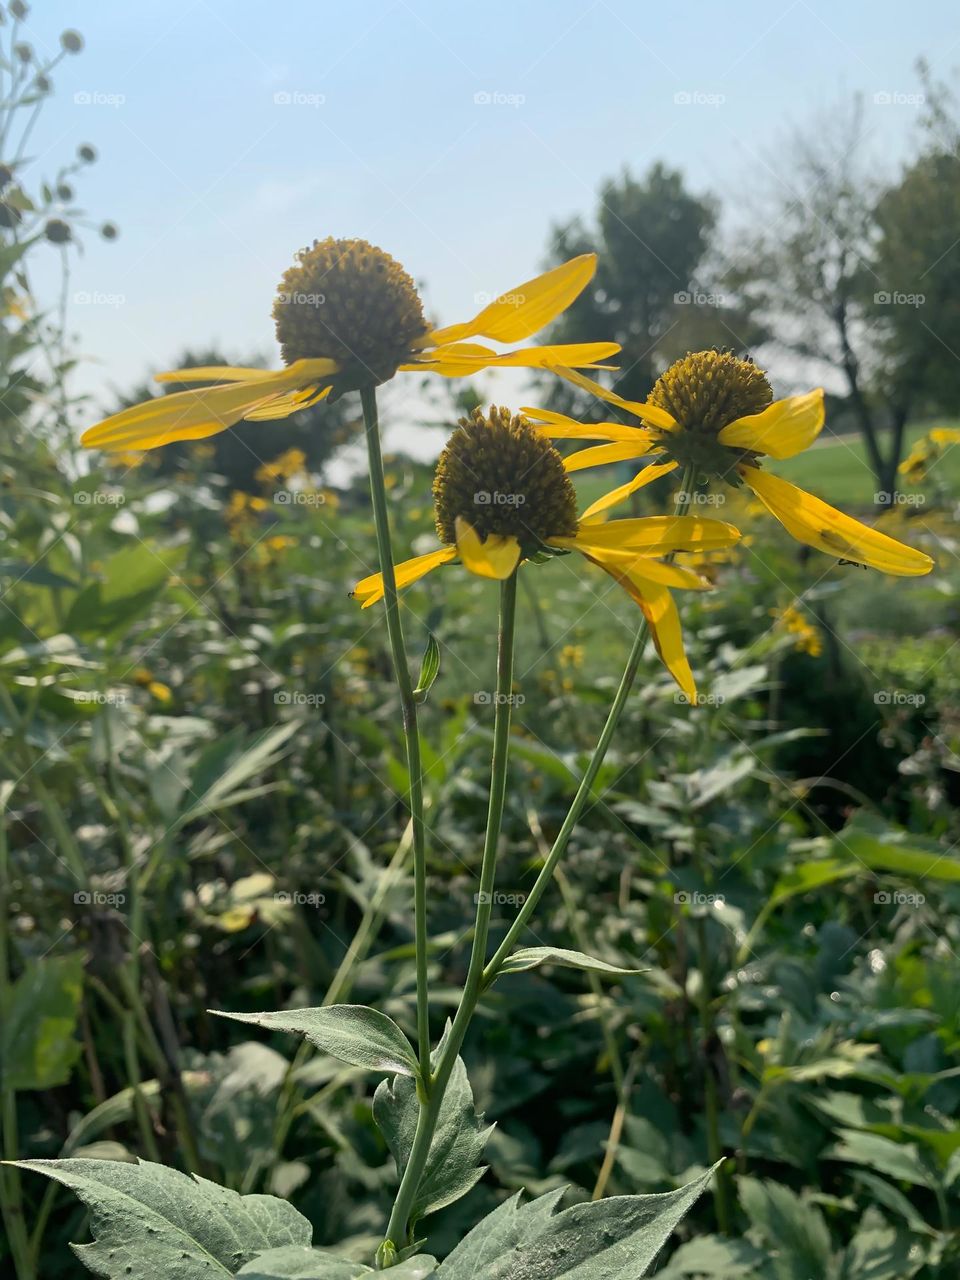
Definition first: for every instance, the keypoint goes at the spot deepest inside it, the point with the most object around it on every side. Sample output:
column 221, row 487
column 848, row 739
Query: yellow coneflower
column 347, row 317
column 806, row 636
column 502, row 496
column 715, row 413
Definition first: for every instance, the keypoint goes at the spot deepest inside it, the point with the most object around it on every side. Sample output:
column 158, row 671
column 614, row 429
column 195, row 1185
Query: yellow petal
column 816, row 524
column 785, row 428
column 458, row 360
column 661, row 614
column 496, row 558
column 370, row 590
column 599, row 455
column 649, row 473
column 652, row 414
column 283, row 406
column 309, row 369
column 526, row 309
column 559, row 427
column 646, row 569
column 945, row 435
column 653, row 535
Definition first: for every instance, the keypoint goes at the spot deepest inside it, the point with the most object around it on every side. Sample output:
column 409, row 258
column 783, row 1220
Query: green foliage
column 351, row 1032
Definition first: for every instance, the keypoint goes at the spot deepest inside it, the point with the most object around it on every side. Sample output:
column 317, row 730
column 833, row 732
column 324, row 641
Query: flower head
column 715, row 412
column 348, row 316
column 502, row 497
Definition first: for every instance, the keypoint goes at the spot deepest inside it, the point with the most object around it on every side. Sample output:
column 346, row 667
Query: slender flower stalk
column 398, row 1228
column 585, row 789
column 411, row 728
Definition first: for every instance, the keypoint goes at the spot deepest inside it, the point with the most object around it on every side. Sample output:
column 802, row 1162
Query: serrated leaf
column 794, row 1230
column 429, row 668
column 453, row 1166
column 532, row 957
column 351, row 1032
column 295, row 1263
column 150, row 1220
column 614, row 1239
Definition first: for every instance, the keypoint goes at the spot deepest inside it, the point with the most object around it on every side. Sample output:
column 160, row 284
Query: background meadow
column 201, row 748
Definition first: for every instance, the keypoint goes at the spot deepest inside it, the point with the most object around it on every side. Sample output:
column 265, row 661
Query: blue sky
column 231, row 134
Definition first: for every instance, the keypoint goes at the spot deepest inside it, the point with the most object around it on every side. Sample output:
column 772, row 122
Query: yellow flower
column 349, row 316
column 502, row 496
column 806, row 637
column 571, row 655
column 716, row 413
column 290, row 463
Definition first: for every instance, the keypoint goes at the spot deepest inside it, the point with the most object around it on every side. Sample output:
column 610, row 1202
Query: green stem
column 398, row 1227
column 585, row 790
column 411, row 731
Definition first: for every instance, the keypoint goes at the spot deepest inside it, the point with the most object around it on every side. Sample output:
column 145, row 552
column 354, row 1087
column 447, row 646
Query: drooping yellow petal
column 649, row 570
column 599, row 455
column 945, row 435
column 652, row 414
column 559, row 427
column 815, row 523
column 652, row 535
column 527, row 308
column 214, row 373
column 370, row 590
column 496, row 558
column 664, row 621
column 458, row 360
column 651, row 472
column 783, row 429
column 285, row 405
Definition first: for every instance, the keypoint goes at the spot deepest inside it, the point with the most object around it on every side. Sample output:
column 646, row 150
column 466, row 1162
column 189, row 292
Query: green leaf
column 714, row 1258
column 351, row 1032
column 614, row 1239
column 223, row 768
column 900, row 1161
column 453, row 1166
column 150, row 1220
column 879, row 1252
column 131, row 580
column 429, row 668
column 297, row 1263
column 794, row 1231
column 39, row 1019
column 36, row 574
column 532, row 957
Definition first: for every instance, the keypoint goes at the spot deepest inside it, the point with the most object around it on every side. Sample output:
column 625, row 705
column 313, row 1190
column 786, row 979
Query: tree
column 653, row 240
